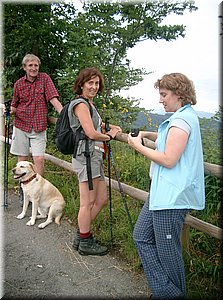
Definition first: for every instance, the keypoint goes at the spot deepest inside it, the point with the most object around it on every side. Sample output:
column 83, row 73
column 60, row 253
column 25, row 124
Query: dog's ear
column 32, row 167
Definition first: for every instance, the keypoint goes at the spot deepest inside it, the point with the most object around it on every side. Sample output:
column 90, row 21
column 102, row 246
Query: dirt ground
column 40, row 263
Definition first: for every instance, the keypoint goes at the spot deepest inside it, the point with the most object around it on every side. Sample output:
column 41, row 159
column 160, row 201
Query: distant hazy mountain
column 201, row 114
column 152, row 120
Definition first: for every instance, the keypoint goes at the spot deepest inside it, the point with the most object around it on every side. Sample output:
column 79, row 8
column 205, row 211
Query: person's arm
column 175, row 145
column 56, row 104
column 12, row 110
column 82, row 112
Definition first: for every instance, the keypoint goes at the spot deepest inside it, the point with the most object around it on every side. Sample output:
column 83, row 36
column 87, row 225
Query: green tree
column 106, row 31
column 117, row 26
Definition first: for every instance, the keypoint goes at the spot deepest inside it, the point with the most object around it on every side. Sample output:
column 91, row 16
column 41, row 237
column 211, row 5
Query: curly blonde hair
column 180, row 85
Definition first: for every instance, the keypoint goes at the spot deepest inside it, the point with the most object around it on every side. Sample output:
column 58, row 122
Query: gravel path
column 40, row 263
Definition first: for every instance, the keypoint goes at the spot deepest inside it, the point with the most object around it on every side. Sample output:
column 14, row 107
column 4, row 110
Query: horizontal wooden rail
column 203, row 226
column 214, row 170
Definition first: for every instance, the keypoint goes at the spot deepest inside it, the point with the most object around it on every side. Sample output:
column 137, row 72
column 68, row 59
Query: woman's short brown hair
column 84, row 76
column 180, row 85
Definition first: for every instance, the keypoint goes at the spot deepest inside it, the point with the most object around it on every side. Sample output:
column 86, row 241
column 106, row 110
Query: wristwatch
column 111, row 138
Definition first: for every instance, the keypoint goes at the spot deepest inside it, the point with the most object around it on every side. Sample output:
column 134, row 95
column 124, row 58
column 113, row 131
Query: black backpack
column 66, row 139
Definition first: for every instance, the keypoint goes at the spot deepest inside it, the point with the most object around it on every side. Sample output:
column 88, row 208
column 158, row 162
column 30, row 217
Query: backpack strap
column 88, row 163
column 90, row 108
column 87, row 152
column 78, row 136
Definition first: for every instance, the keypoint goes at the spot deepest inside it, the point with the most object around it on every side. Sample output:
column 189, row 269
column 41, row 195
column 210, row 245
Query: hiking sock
column 85, row 235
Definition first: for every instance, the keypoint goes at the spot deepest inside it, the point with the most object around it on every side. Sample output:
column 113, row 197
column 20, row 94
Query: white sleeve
column 182, row 124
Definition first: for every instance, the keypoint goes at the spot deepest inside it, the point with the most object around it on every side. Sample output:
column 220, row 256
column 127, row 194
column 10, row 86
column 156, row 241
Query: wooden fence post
column 185, row 237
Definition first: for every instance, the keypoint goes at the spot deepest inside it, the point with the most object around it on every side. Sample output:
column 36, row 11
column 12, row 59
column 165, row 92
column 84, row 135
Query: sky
column 196, row 55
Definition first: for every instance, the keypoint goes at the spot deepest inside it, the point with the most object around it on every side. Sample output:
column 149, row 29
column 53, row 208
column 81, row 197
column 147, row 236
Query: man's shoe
column 90, row 246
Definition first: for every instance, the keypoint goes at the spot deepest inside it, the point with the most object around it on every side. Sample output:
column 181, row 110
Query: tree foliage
column 67, row 40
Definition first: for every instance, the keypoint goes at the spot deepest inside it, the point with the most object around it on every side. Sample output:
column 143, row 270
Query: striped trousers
column 157, row 239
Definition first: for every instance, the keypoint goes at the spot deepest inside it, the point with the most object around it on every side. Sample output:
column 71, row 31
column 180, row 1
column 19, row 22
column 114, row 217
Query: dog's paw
column 42, row 225
column 41, row 216
column 30, row 223
column 20, row 216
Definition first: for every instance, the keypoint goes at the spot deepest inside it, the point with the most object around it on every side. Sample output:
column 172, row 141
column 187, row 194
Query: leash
column 6, row 152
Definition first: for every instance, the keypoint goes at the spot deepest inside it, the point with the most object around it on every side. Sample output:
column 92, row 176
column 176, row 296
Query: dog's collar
column 30, row 179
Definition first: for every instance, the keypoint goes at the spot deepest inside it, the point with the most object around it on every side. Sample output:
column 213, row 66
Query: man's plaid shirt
column 30, row 100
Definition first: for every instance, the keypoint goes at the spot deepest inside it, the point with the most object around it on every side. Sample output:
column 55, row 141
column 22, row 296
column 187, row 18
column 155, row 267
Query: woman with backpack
column 82, row 112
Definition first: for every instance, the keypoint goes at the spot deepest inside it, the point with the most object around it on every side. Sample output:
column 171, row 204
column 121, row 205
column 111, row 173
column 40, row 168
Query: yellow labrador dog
column 45, row 197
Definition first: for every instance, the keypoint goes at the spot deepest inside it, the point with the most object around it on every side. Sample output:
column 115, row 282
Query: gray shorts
column 80, row 167
column 22, row 141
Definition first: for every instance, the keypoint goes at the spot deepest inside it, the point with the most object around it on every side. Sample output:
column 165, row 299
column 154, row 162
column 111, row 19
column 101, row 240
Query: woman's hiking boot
column 89, row 246
column 76, row 242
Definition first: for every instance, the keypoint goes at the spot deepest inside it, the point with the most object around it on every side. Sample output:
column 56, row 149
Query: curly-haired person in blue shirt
column 177, row 186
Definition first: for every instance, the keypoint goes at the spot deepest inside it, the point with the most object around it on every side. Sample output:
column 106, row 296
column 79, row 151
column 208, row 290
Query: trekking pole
column 6, row 152
column 121, row 191
column 107, row 128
